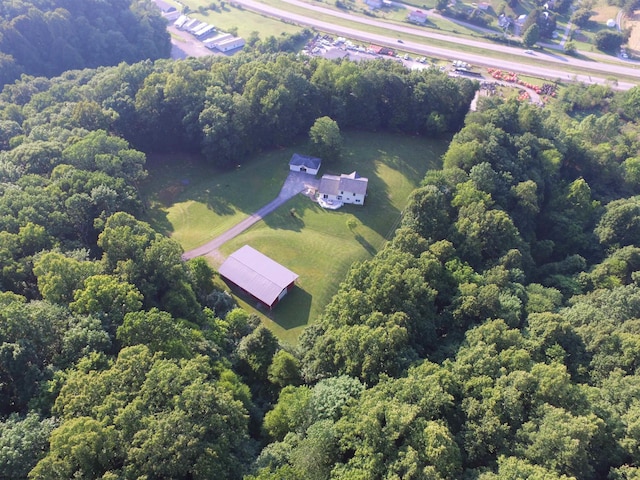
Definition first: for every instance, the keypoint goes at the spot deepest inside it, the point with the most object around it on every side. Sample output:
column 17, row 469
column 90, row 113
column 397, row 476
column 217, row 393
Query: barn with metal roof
column 258, row 275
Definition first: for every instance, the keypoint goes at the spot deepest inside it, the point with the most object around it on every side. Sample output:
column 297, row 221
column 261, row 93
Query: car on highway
column 530, row 52
column 400, row 41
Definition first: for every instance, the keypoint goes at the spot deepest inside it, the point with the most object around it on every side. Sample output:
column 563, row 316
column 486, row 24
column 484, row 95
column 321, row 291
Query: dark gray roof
column 352, row 183
column 330, row 184
column 305, row 161
column 256, row 273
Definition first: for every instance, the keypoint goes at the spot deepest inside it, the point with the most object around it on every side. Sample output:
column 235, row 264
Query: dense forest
column 497, row 335
column 48, row 37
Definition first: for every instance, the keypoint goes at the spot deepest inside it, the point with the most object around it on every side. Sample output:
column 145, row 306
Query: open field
column 633, row 23
column 246, row 22
column 193, row 203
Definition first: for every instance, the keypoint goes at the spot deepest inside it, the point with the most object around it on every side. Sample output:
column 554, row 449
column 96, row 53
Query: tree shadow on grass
column 371, row 250
column 283, row 219
column 215, row 198
column 294, row 309
column 158, row 218
column 395, row 162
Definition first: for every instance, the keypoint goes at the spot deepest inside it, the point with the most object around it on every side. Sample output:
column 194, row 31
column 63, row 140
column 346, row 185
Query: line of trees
column 117, row 358
column 48, row 37
column 495, row 336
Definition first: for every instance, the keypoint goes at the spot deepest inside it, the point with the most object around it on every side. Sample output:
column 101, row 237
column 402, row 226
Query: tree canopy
column 495, row 335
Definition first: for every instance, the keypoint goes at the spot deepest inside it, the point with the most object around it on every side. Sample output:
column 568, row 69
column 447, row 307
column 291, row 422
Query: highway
column 549, row 65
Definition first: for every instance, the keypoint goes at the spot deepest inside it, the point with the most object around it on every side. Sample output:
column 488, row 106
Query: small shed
column 417, row 16
column 305, row 164
column 258, row 275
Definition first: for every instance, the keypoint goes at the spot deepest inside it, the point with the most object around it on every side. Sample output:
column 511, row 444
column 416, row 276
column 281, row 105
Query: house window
column 341, row 193
column 325, row 196
column 358, row 200
column 339, row 197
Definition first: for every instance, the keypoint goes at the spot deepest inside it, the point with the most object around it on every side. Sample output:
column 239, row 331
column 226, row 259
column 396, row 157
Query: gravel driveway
column 295, row 183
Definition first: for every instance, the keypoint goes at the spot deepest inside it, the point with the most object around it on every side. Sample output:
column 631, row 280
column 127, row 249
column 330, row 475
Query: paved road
column 556, row 64
column 294, row 184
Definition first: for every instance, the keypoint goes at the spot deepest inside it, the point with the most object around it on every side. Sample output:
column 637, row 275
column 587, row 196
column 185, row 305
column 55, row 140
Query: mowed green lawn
column 193, row 203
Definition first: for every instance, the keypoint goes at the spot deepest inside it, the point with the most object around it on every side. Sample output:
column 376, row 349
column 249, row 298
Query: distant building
column 197, row 26
column 164, row 6
column 180, row 21
column 417, row 16
column 504, row 21
column 230, row 44
column 374, row 4
column 213, row 41
column 204, row 31
column 304, row 163
column 191, row 22
column 351, row 188
column 484, row 6
column 258, row 275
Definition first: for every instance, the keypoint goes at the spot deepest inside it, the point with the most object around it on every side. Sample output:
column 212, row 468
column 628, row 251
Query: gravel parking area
column 184, row 45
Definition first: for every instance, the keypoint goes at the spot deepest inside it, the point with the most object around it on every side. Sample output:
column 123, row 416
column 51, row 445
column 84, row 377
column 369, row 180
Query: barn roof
column 305, row 161
column 257, row 274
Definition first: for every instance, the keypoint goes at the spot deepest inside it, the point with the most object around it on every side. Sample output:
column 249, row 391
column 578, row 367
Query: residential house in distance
column 417, row 16
column 374, row 4
column 258, row 275
column 351, row 188
column 304, row 163
column 519, row 24
column 503, row 21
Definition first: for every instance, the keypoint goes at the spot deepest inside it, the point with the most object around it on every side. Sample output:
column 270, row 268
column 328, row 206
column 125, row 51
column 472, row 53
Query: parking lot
column 328, row 47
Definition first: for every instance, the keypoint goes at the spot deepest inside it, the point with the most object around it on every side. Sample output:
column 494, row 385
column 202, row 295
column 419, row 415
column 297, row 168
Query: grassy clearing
column 319, row 245
column 193, row 203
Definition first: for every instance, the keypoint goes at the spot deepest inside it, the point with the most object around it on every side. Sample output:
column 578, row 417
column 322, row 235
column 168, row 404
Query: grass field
column 193, row 203
column 246, row 22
